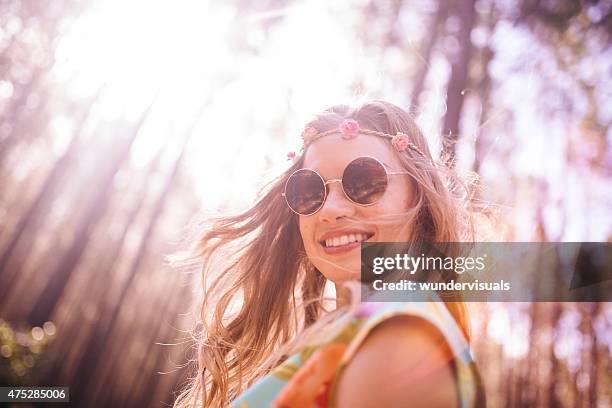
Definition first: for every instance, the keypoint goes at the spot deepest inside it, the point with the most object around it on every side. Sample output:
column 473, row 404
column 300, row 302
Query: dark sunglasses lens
column 364, row 180
column 305, row 192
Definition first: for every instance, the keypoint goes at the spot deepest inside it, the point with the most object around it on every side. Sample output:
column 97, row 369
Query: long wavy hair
column 261, row 290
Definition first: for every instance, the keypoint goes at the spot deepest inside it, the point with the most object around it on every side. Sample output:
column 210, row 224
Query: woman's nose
column 336, row 205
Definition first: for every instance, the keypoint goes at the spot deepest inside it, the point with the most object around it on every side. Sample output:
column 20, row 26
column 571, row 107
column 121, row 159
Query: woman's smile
column 343, row 240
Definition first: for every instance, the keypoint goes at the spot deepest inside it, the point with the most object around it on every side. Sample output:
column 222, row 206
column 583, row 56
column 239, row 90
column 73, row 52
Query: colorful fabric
column 299, row 378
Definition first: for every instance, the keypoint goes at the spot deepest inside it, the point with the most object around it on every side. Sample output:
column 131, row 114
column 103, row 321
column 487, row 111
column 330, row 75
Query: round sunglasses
column 364, row 181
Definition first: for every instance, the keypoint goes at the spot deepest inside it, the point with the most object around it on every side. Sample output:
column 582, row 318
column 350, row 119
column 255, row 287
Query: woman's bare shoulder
column 404, row 361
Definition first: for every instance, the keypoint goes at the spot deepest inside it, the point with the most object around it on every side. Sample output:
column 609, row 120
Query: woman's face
column 340, row 217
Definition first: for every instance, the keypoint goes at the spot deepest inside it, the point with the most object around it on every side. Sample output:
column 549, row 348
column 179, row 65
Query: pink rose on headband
column 290, row 155
column 349, row 129
column 400, row 141
column 308, row 132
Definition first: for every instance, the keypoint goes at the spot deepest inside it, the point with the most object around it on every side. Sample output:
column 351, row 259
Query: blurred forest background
column 122, row 121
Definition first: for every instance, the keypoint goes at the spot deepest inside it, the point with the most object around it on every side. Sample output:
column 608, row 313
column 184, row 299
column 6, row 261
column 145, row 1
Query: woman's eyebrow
column 387, row 165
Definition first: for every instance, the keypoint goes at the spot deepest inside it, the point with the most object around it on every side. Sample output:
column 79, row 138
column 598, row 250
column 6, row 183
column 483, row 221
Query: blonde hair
column 260, row 289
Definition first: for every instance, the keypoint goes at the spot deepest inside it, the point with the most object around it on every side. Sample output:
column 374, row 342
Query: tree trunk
column 104, row 336
column 553, row 401
column 428, row 45
column 146, row 386
column 458, row 80
column 47, row 301
column 482, row 141
column 44, row 198
column 94, row 347
column 594, row 309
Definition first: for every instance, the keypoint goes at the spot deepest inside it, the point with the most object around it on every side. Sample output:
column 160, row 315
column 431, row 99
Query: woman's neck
column 343, row 296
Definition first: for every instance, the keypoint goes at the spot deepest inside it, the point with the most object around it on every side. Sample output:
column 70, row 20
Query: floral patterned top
column 308, row 378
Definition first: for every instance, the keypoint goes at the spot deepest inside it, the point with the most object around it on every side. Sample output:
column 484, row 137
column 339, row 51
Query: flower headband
column 349, row 130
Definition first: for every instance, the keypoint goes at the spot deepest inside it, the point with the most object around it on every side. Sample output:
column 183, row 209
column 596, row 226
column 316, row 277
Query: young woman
column 267, row 339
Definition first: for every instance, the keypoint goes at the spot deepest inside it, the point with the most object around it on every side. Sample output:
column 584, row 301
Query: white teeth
column 345, row 239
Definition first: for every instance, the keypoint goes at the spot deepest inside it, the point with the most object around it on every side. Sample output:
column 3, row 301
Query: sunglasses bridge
column 332, row 181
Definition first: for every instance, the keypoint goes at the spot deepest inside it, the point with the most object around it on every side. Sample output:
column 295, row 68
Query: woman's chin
column 340, row 268
column 344, row 274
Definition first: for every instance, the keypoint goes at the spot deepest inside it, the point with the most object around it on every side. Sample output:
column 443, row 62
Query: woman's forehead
column 332, row 153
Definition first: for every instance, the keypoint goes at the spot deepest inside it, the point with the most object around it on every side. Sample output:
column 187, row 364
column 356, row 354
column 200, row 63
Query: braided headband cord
column 308, row 139
column 350, row 129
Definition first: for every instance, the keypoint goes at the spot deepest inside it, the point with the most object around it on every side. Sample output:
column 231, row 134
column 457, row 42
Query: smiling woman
column 332, row 156
column 363, row 174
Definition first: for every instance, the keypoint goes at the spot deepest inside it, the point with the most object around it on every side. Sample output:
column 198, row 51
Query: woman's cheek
column 307, row 234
